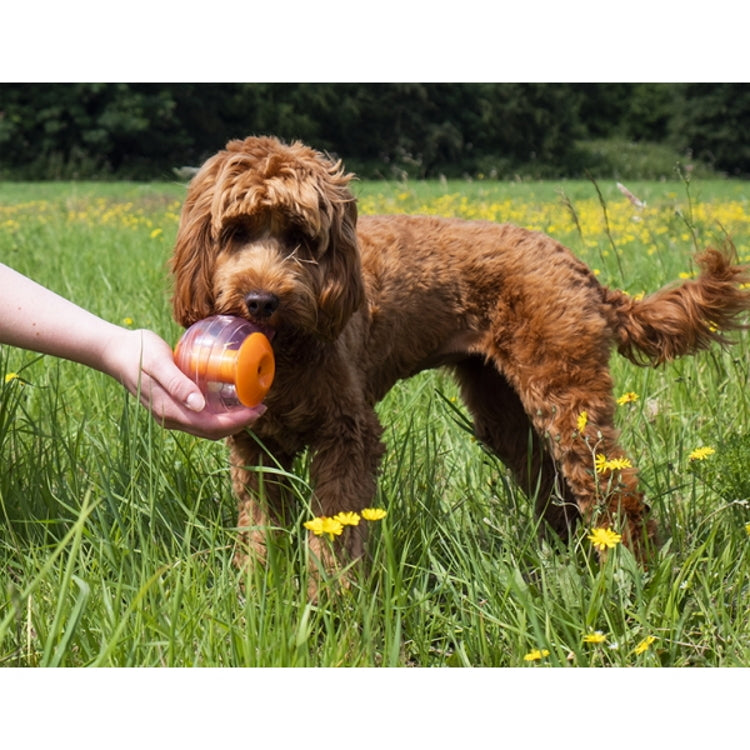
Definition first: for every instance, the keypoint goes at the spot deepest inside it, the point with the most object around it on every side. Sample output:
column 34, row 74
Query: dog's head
column 268, row 232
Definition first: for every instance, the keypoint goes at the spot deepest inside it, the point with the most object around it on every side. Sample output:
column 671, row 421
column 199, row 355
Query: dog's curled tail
column 684, row 319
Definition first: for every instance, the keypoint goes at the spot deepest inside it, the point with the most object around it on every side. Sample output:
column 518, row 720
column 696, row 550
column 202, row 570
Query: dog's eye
column 296, row 238
column 237, row 234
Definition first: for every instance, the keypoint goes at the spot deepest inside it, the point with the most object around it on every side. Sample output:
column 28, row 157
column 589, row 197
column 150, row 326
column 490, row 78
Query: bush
column 627, row 160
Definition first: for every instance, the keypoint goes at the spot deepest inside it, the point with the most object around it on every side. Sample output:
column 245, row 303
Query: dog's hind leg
column 502, row 425
column 568, row 399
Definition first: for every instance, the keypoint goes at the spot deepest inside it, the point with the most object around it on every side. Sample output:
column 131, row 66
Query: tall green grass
column 116, row 537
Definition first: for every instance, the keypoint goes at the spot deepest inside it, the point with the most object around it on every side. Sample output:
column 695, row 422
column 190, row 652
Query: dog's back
column 452, row 277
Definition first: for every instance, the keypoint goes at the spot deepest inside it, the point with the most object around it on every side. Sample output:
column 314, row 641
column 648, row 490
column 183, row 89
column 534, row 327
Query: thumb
column 183, row 390
column 195, row 401
column 161, row 366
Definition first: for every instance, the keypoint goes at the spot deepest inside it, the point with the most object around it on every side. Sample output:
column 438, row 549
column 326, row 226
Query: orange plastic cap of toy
column 255, row 369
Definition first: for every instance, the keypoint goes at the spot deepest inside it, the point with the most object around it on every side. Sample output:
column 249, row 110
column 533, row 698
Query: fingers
column 195, row 401
column 212, row 426
column 179, row 387
column 177, row 411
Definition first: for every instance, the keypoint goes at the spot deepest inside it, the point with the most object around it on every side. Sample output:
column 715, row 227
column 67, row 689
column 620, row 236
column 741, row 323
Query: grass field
column 116, row 537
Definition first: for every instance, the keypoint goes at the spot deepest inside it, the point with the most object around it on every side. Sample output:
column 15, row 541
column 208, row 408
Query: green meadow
column 117, row 537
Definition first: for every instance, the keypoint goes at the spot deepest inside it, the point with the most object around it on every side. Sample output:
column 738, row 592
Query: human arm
column 33, row 317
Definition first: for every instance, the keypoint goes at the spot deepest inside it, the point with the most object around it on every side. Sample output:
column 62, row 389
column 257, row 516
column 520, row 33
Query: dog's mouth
column 267, row 328
column 268, row 331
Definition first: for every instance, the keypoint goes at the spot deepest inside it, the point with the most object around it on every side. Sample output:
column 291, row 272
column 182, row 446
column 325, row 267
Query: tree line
column 144, row 131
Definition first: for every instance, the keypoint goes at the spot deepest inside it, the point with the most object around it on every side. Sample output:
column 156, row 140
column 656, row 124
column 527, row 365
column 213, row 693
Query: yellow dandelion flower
column 324, row 525
column 582, row 421
column 536, row 654
column 374, row 514
column 701, row 454
column 127, row 322
column 155, row 233
column 619, row 463
column 602, row 464
column 644, row 645
column 596, row 637
column 347, row 519
column 11, row 376
column 747, row 528
column 628, row 398
column 332, row 527
column 603, row 539
column 316, row 526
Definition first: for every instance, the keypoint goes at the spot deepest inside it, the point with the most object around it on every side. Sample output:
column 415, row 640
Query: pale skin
column 35, row 318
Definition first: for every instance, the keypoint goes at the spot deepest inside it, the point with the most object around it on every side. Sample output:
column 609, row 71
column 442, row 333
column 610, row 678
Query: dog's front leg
column 264, row 496
column 345, row 463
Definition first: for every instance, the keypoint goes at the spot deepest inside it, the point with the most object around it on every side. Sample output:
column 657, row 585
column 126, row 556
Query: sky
column 386, row 40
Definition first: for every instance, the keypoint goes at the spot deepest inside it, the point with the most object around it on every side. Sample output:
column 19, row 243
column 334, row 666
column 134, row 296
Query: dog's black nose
column 261, row 305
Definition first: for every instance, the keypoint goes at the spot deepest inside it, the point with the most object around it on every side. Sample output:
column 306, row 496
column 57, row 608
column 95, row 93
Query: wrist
column 118, row 348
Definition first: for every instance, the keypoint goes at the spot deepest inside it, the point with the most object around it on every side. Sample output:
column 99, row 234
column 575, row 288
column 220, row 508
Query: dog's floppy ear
column 194, row 252
column 342, row 290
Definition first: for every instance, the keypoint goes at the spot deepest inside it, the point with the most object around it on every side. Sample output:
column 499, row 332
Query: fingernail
column 195, row 402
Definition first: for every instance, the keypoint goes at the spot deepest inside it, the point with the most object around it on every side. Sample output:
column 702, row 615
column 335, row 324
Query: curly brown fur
column 269, row 231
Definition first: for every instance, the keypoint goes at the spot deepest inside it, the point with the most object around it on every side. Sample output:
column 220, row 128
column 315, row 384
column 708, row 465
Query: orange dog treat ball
column 229, row 359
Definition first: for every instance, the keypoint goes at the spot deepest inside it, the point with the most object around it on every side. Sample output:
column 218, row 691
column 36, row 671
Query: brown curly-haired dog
column 269, row 232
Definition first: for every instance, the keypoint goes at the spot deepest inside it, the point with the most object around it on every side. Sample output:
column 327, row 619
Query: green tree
column 713, row 121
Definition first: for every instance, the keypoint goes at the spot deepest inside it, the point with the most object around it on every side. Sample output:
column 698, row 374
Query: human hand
column 144, row 364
